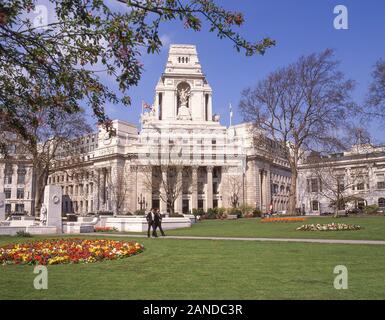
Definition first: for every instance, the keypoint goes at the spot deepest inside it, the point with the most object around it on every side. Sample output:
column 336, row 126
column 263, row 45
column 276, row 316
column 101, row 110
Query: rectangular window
column 160, row 106
column 381, row 185
column 314, row 185
column 215, row 188
column 8, row 174
column 19, row 207
column 380, row 181
column 360, row 186
column 21, row 172
column 8, row 208
column 206, row 107
column 7, row 192
column 20, row 193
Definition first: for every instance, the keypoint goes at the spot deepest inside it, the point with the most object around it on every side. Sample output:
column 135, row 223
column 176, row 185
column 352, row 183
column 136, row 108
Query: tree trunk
column 40, row 183
column 172, row 207
column 293, row 192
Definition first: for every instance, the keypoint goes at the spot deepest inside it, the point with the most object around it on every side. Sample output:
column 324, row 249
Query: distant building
column 180, row 140
column 16, row 176
column 361, row 171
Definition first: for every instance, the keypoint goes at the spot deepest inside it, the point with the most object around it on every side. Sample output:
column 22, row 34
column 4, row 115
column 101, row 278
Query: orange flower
column 291, row 219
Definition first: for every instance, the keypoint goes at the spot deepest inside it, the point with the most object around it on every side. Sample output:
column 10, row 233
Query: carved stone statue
column 183, row 110
column 43, row 215
column 184, row 94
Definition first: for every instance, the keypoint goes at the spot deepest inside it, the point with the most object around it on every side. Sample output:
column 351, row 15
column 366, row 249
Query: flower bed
column 283, row 219
column 62, row 251
column 105, row 229
column 329, row 227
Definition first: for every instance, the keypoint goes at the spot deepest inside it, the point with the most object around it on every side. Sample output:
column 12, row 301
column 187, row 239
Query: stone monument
column 53, row 206
column 2, row 206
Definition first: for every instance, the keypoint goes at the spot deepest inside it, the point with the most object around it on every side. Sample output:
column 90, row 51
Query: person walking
column 151, row 223
column 158, row 222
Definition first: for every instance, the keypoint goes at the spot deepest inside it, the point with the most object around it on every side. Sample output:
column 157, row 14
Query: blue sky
column 298, row 26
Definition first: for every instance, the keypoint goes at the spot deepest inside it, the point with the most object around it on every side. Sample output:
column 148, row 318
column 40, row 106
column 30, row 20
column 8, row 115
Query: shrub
column 221, row 213
column 246, row 209
column 372, row 209
column 235, row 211
column 176, row 215
column 23, row 234
column 106, row 213
column 140, row 212
column 211, row 213
column 257, row 213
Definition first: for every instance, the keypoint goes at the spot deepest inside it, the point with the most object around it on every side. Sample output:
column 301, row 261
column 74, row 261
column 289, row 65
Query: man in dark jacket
column 158, row 222
column 151, row 223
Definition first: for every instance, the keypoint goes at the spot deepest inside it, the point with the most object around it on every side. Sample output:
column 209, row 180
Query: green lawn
column 373, row 229
column 188, row 269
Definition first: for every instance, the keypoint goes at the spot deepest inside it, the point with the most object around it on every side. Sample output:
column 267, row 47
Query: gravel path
column 332, row 241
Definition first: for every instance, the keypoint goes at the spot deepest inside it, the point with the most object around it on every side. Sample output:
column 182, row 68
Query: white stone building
column 360, row 171
column 180, row 140
column 16, row 182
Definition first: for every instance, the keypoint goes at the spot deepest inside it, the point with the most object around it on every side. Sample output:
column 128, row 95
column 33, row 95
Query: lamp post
column 142, row 202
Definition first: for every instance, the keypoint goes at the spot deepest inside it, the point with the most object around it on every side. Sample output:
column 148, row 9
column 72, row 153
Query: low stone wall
column 75, row 227
column 10, row 231
column 139, row 224
column 39, row 230
column 34, row 230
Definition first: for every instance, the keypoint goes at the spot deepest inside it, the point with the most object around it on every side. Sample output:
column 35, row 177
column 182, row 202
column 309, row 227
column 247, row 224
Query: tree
column 375, row 101
column 119, row 189
column 298, row 108
column 235, row 185
column 48, row 141
column 55, row 66
column 164, row 172
column 166, row 180
column 339, row 185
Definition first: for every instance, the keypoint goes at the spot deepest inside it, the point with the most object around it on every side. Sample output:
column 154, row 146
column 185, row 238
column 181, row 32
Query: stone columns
column 209, row 188
column 147, row 188
column 97, row 205
column 163, row 198
column 262, row 190
column 179, row 185
column 108, row 177
column 267, row 189
column 132, row 188
column 2, row 206
column 194, row 187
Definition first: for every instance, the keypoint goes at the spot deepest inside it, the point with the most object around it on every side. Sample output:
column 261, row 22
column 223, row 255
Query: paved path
column 333, row 241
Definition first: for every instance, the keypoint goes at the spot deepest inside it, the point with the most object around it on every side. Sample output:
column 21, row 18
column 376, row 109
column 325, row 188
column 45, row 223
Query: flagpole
column 231, row 114
column 141, row 116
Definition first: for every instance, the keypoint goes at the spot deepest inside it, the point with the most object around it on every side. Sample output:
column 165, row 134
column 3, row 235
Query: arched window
column 381, row 202
column 179, row 59
column 182, row 59
column 186, row 60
